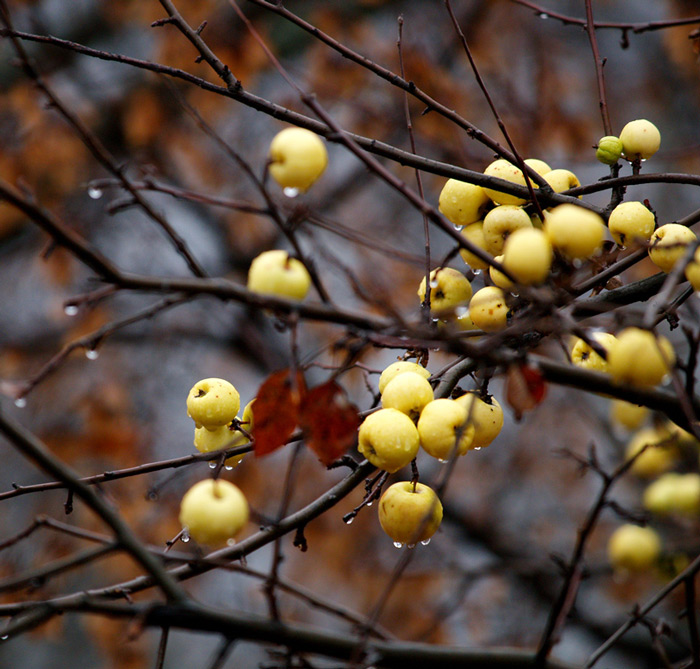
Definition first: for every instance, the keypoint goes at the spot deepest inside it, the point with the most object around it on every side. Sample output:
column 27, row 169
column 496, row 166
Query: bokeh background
column 487, row 579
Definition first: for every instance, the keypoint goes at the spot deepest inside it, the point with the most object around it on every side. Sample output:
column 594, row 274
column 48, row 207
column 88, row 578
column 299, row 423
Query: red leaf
column 276, row 411
column 525, row 388
column 329, row 421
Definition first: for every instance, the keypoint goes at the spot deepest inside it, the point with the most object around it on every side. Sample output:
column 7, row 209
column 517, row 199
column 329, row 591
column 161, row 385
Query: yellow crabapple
column 674, row 493
column 443, row 427
column 449, row 288
column 474, row 232
column 692, row 271
column 583, row 355
column 502, row 169
column 640, row 358
column 488, row 309
column 212, row 403
column 668, row 244
column 409, row 513
column 461, row 202
column 226, row 436
column 409, row 393
column 277, row 273
column 630, row 416
column 640, row 139
column 658, row 456
column 631, row 224
column 399, row 367
column 501, row 222
column 609, row 149
column 634, row 549
column 486, row 415
column 574, row 231
column 388, row 439
column 538, row 165
column 297, row 158
column 213, row 512
column 498, row 277
column 527, row 255
column 561, row 180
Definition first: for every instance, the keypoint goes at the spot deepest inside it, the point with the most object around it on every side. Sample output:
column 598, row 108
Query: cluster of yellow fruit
column 654, row 451
column 213, row 512
column 411, row 418
column 297, row 158
column 505, row 228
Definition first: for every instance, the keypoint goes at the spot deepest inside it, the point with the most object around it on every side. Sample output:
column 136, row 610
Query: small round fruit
column 631, row 224
column 692, row 271
column 527, row 255
column 668, row 244
column 498, row 277
column 213, row 512
column 277, row 273
column 297, row 158
column 609, row 149
column 658, row 456
column 574, row 231
column 409, row 393
column 409, row 515
column 502, row 169
column 443, row 426
column 449, row 288
column 488, row 309
column 538, row 165
column 474, row 232
column 584, row 356
column 561, row 180
column 399, row 367
column 388, row 439
column 461, row 202
column 486, row 415
column 640, row 358
column 633, row 548
column 213, row 403
column 674, row 493
column 501, row 222
column 630, row 416
column 640, row 139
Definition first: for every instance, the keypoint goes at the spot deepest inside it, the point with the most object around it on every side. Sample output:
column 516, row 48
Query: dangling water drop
column 543, row 15
column 20, row 402
column 290, row 192
column 348, row 521
column 398, row 544
column 434, row 283
column 92, row 354
column 369, row 503
column 4, row 637
column 212, row 464
column 476, row 448
column 228, row 468
column 231, row 542
column 70, row 310
column 94, row 193
column 425, row 542
column 442, row 462
column 185, row 536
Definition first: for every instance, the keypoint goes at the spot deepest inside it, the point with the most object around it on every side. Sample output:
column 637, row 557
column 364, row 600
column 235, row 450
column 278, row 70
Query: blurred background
column 487, row 579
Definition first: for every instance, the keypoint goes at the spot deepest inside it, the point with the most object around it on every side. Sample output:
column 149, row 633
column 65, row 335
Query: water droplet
column 228, row 468
column 425, row 542
column 643, row 160
column 543, row 15
column 461, row 311
column 4, row 637
column 70, row 310
column 442, row 462
column 94, row 193
column 185, row 536
column 92, row 354
column 231, row 542
column 290, row 192
column 398, row 544
column 369, row 503
column 348, row 521
column 434, row 283
column 410, row 545
column 476, row 448
column 212, row 464
column 476, row 272
column 20, row 402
